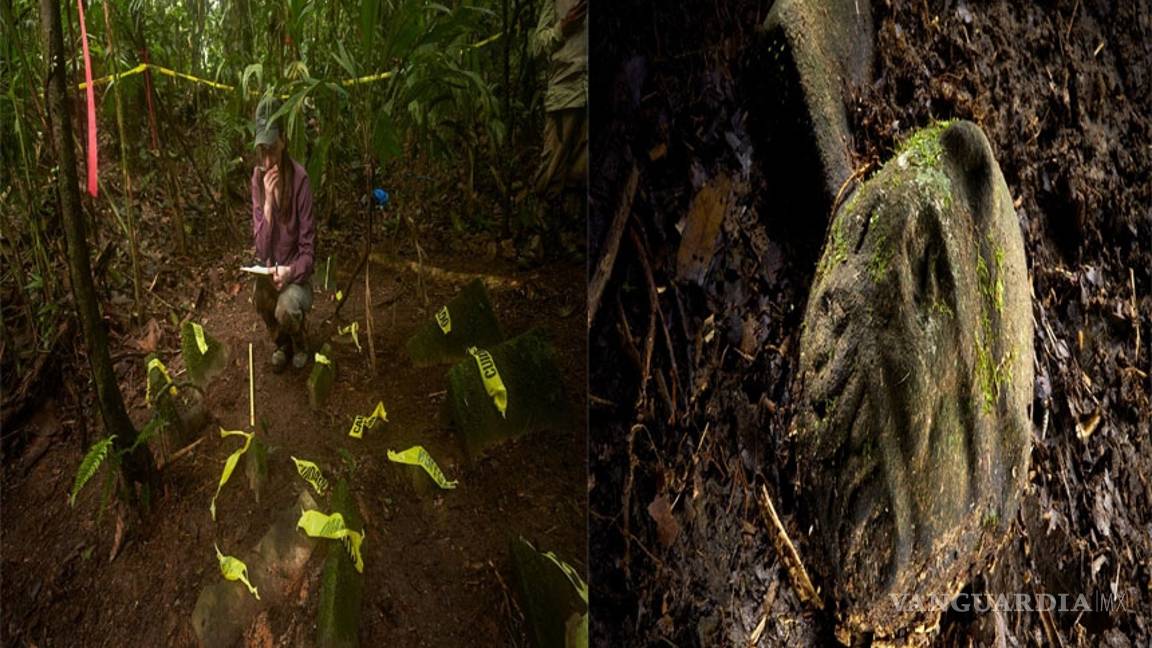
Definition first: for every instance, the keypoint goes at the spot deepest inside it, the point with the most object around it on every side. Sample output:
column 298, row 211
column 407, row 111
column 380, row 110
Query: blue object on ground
column 381, row 197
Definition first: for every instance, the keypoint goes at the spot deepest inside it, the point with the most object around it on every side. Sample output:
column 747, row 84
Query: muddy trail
column 704, row 407
column 437, row 565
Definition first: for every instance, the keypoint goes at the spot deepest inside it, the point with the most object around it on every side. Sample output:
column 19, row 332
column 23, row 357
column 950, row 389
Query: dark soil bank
column 693, row 383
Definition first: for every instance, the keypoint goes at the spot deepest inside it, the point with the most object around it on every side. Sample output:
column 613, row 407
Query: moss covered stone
column 341, row 586
column 554, row 608
column 321, row 379
column 203, row 362
column 535, row 388
column 256, row 466
column 916, row 364
column 225, row 608
column 472, row 322
column 180, row 412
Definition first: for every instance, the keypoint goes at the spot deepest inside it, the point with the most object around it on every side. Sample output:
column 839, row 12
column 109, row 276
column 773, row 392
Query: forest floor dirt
column 437, row 566
column 1065, row 97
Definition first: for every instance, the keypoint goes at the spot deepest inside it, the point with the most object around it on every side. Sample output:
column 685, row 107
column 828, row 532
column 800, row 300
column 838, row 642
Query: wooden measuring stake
column 251, row 392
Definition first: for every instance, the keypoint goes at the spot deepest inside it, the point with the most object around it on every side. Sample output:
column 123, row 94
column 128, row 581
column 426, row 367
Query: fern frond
column 88, row 467
column 150, row 429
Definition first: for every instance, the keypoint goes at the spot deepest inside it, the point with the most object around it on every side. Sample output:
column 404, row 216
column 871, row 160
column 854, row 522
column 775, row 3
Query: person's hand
column 571, row 22
column 280, row 276
column 271, row 186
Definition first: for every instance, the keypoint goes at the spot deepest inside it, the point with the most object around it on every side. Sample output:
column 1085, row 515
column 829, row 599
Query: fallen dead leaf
column 667, row 528
column 701, row 228
column 118, row 537
column 1086, row 427
column 151, row 337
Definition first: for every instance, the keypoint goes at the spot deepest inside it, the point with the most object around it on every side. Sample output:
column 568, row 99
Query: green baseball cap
column 267, row 130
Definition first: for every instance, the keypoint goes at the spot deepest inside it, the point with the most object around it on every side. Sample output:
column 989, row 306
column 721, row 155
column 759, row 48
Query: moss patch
column 321, row 379
column 536, row 399
column 202, row 366
column 473, row 323
column 341, row 586
column 881, row 257
column 923, row 147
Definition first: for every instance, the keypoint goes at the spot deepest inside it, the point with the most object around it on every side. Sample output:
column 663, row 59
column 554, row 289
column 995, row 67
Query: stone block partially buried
column 553, row 596
column 256, row 467
column 321, row 379
column 225, row 608
column 341, row 586
column 179, row 411
column 536, row 400
column 913, row 431
column 204, row 356
column 815, row 52
column 422, row 484
column 469, row 320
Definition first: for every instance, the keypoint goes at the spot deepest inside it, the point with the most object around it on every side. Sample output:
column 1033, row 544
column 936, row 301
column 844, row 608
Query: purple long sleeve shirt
column 285, row 241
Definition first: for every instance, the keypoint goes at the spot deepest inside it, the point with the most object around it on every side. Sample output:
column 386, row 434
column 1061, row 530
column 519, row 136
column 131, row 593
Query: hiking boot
column 279, row 359
column 299, row 359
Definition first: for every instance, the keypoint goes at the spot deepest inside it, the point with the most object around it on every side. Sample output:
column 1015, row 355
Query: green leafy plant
column 102, row 453
column 89, row 465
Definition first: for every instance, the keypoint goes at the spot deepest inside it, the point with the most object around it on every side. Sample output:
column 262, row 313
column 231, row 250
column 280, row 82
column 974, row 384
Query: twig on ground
column 626, row 501
column 180, row 453
column 858, row 173
column 630, row 349
column 509, row 599
column 654, row 302
column 797, row 574
column 1135, row 315
column 611, row 245
column 597, row 401
column 1049, row 625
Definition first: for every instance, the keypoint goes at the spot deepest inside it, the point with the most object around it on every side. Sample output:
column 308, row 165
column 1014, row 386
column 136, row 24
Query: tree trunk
column 137, row 467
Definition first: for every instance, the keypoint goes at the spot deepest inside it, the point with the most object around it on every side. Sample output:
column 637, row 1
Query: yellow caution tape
column 230, row 464
column 201, row 343
column 352, row 329
column 418, row 456
column 155, row 364
column 323, row 359
column 311, row 474
column 318, row 525
column 381, row 76
column 136, row 70
column 444, row 320
column 361, row 423
column 491, row 39
column 491, row 377
column 368, row 79
column 162, row 70
column 234, row 569
column 174, row 73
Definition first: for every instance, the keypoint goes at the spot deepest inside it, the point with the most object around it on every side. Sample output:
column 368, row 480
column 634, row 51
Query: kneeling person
column 284, row 235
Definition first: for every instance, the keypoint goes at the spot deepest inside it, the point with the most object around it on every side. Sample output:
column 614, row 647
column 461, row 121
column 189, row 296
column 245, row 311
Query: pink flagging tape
column 92, row 157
